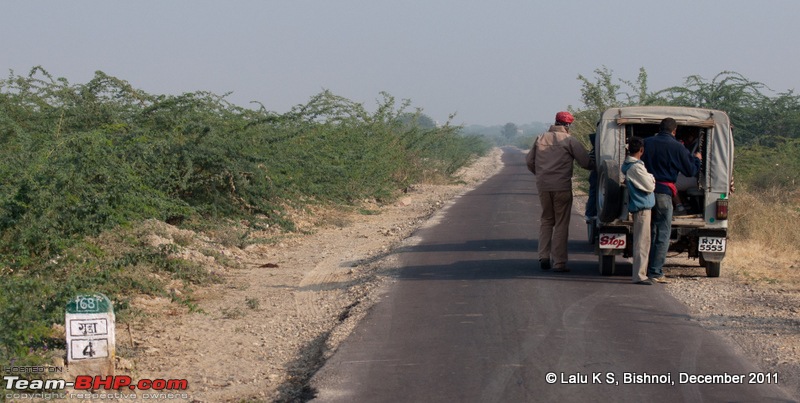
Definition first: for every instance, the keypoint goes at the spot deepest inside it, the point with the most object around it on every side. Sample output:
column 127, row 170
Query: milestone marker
column 90, row 335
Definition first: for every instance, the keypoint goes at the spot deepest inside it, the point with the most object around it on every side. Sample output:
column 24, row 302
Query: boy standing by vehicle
column 641, row 185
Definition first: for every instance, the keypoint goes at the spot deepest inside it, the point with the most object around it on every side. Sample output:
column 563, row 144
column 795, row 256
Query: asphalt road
column 471, row 318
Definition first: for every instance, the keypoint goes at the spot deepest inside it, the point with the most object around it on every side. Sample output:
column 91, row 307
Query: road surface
column 471, row 318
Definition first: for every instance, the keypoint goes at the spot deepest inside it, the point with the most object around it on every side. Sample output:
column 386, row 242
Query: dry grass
column 752, row 262
column 771, row 217
column 765, row 234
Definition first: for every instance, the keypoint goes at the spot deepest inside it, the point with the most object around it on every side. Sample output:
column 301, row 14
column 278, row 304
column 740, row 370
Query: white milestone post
column 90, row 335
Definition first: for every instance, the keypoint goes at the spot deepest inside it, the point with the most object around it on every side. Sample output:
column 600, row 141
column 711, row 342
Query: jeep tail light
column 722, row 209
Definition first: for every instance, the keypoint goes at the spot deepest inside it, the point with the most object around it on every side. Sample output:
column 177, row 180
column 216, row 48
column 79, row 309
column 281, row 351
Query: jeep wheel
column 609, row 192
column 712, row 269
column 607, row 264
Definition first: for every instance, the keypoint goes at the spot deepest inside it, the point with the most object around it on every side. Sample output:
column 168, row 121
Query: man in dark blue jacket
column 664, row 156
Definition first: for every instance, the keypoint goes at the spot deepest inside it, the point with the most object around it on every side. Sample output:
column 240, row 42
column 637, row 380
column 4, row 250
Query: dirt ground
column 284, row 307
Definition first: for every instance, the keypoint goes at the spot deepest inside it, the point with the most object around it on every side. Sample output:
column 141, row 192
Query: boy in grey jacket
column 641, row 185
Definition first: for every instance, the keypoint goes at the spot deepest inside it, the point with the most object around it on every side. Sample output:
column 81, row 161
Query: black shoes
column 544, row 264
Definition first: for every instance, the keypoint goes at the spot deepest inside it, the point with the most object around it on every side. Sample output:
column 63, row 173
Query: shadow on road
column 498, row 269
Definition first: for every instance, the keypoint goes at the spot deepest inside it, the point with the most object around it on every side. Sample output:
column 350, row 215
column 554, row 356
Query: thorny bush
column 78, row 160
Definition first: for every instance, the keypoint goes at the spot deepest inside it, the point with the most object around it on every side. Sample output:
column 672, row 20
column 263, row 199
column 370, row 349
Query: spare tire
column 609, row 191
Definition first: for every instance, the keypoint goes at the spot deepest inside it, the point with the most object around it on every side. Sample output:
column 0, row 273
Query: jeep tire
column 609, row 192
column 712, row 268
column 607, row 264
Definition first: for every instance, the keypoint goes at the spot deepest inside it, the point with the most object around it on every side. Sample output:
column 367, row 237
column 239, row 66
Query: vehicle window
column 640, row 130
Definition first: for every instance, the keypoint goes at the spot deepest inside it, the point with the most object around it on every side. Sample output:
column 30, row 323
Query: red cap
column 564, row 117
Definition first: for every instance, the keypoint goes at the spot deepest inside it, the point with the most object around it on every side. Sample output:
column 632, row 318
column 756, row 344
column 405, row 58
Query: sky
column 487, row 62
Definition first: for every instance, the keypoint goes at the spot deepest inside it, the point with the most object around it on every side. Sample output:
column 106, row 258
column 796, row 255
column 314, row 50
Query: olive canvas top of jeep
column 705, row 197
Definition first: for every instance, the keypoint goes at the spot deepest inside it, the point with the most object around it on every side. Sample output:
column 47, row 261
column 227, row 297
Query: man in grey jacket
column 550, row 159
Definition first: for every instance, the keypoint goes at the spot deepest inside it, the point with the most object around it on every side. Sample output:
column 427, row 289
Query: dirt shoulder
column 262, row 333
column 761, row 318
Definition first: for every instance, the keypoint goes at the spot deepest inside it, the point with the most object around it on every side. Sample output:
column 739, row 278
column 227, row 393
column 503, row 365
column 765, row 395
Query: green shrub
column 81, row 160
column 762, row 168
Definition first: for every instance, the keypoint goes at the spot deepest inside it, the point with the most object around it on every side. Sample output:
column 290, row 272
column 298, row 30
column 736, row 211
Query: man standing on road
column 550, row 159
column 664, row 156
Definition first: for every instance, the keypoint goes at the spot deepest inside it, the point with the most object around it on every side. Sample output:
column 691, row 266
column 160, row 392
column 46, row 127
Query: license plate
column 612, row 241
column 711, row 244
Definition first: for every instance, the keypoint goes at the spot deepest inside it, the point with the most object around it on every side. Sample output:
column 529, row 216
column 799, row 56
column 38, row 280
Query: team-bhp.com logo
column 157, row 388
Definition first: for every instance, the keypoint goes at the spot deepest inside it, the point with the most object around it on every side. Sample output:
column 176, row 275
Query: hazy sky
column 490, row 62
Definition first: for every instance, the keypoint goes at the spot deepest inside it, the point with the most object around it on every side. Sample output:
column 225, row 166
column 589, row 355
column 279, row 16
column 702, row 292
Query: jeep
column 701, row 231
